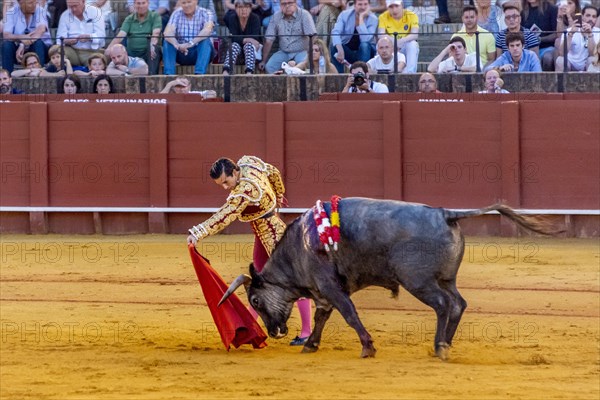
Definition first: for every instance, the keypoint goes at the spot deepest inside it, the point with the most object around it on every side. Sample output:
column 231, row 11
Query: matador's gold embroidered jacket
column 253, row 200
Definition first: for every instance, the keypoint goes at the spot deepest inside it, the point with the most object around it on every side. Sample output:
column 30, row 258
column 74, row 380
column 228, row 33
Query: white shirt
column 377, row 64
column 15, row 23
column 91, row 24
column 578, row 53
column 449, row 65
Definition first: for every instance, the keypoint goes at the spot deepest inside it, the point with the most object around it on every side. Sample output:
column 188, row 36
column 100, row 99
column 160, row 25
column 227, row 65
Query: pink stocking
column 305, row 316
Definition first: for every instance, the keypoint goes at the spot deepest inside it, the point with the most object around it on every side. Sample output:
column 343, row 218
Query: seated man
column 581, row 42
column 458, row 60
column 517, row 58
column 427, row 84
column 6, row 83
column 183, row 85
column 187, row 38
column 122, row 64
column 292, row 26
column 82, row 27
column 25, row 30
column 161, row 7
column 358, row 80
column 384, row 60
column 406, row 24
column 352, row 37
column 272, row 7
column 492, row 82
column 512, row 17
column 142, row 31
column 472, row 33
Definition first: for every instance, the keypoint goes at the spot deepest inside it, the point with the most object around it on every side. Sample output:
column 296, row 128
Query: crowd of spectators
column 380, row 35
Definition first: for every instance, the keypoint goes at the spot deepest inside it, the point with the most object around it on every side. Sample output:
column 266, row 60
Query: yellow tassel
column 335, row 219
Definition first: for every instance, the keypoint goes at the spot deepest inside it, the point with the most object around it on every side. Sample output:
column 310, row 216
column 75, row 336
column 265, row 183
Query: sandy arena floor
column 96, row 317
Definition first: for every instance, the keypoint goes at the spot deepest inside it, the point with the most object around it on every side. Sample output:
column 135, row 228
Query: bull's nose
column 279, row 333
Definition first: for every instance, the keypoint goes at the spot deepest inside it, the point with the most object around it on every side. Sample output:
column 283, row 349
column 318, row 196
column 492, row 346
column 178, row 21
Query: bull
column 383, row 243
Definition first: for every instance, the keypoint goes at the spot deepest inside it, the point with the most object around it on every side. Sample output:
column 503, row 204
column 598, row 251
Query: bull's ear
column 256, row 278
column 253, row 272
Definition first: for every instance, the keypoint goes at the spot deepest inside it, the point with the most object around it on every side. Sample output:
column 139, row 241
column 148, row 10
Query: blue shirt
column 344, row 27
column 529, row 62
column 15, row 22
column 187, row 29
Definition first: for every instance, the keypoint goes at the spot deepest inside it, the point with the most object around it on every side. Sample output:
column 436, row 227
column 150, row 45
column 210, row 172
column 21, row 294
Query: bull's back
column 371, row 220
column 385, row 241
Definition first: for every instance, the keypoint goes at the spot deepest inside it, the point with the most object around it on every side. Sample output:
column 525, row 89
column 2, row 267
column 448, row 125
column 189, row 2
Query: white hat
column 391, row 2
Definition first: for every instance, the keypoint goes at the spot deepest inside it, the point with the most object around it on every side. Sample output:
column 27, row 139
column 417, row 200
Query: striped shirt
column 292, row 32
column 186, row 28
column 531, row 39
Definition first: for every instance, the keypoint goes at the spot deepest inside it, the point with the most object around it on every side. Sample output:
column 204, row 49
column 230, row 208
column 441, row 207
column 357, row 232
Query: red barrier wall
column 459, row 155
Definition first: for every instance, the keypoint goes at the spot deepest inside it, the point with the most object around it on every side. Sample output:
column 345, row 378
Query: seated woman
column 594, row 65
column 321, row 60
column 70, row 84
column 96, row 66
column 244, row 27
column 492, row 82
column 103, row 84
column 31, row 66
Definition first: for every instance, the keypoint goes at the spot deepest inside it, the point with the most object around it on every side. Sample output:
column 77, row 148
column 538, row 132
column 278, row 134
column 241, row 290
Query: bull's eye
column 254, row 302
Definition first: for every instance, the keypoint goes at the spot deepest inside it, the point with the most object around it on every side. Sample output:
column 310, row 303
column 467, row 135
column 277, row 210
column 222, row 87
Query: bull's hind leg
column 435, row 297
column 457, row 308
column 314, row 340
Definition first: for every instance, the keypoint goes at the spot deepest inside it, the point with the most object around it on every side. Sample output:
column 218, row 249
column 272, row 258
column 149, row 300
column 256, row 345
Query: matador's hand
column 192, row 240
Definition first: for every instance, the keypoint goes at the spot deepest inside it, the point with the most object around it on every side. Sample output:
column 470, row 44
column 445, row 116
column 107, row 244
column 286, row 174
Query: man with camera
column 582, row 37
column 359, row 82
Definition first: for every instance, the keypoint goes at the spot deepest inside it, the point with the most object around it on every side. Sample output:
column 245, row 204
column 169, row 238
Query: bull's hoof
column 310, row 348
column 368, row 352
column 442, row 351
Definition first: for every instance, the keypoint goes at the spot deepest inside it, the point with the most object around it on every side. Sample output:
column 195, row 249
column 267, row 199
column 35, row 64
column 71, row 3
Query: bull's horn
column 240, row 280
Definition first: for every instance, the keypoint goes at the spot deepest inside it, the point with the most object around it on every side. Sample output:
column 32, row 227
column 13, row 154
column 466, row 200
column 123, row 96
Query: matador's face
column 228, row 182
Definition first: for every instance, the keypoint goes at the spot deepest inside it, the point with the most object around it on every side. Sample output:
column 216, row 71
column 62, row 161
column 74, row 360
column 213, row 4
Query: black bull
column 383, row 243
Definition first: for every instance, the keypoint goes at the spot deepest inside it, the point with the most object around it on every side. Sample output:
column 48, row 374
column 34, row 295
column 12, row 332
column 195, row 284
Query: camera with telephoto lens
column 359, row 78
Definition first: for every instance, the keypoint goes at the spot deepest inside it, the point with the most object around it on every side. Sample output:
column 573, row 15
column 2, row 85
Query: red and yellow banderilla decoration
column 329, row 231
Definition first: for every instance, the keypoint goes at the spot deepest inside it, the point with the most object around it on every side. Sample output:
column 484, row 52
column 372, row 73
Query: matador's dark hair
column 223, row 165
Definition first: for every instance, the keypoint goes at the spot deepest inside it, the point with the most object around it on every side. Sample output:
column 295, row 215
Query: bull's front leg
column 322, row 314
column 346, row 307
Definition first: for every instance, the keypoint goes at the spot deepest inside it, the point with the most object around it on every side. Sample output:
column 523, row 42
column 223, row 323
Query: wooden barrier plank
column 392, row 151
column 15, row 169
column 158, row 166
column 511, row 163
column 446, row 162
column 38, row 147
column 101, row 112
column 560, row 159
column 275, row 135
column 237, row 129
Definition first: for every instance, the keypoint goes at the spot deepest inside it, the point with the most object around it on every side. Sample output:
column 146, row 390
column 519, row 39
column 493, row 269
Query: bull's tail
column 532, row 223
